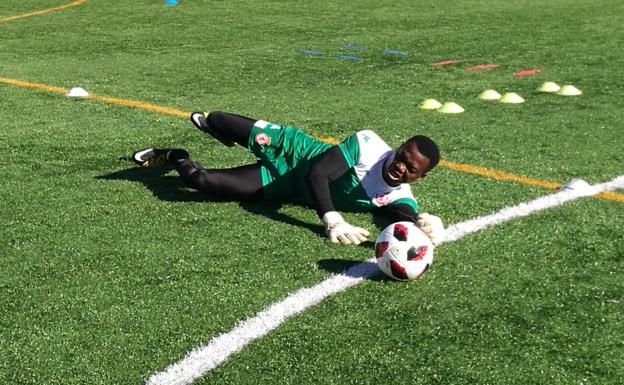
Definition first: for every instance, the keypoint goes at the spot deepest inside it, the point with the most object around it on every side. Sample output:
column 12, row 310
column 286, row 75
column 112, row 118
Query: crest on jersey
column 262, row 139
column 381, row 198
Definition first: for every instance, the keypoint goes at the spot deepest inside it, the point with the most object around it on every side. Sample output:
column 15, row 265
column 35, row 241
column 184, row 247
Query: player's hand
column 337, row 230
column 432, row 226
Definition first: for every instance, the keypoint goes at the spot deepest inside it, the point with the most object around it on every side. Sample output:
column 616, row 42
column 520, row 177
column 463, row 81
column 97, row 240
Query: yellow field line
column 611, row 196
column 29, row 14
column 499, row 175
column 107, row 99
column 145, row 106
column 460, row 167
column 36, row 86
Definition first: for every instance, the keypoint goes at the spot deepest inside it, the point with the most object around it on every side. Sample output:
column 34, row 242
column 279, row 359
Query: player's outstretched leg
column 226, row 127
column 155, row 157
column 238, row 183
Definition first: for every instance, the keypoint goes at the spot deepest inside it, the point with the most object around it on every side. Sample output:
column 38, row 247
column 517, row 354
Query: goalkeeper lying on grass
column 360, row 174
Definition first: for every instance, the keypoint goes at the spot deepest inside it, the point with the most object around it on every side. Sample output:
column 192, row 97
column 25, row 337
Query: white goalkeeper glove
column 432, row 226
column 337, row 230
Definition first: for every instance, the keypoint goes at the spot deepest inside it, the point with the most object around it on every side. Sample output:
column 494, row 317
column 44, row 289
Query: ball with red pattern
column 403, row 251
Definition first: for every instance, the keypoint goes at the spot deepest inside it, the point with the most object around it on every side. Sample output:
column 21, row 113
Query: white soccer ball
column 403, row 251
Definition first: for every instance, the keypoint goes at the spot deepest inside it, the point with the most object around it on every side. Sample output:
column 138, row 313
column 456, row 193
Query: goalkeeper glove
column 432, row 226
column 337, row 230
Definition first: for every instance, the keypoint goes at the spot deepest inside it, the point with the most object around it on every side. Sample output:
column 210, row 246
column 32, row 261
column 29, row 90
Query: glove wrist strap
column 332, row 218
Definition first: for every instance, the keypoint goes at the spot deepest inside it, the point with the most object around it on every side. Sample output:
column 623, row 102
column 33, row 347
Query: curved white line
column 204, row 358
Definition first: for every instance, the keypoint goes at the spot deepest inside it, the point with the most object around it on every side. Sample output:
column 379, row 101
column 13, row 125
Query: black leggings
column 238, row 183
column 231, row 126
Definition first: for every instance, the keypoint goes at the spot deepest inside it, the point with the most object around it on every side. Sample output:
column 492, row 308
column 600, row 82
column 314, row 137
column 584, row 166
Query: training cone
column 451, row 108
column 569, row 90
column 489, row 95
column 512, row 98
column 171, row 2
column 77, row 92
column 549, row 87
column 430, row 104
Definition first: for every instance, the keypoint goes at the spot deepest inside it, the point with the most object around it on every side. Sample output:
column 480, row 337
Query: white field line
column 204, row 358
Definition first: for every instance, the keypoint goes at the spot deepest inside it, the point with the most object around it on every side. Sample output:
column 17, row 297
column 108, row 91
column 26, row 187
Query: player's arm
column 430, row 224
column 331, row 166
column 399, row 212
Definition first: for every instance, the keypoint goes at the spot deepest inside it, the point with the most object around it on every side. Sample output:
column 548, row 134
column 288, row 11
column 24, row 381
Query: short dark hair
column 428, row 148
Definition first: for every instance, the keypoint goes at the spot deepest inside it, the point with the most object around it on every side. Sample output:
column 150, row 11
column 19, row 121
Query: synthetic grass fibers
column 205, row 358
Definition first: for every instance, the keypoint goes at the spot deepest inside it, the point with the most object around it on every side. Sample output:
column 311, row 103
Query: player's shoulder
column 372, row 147
column 369, row 137
column 369, row 140
column 364, row 147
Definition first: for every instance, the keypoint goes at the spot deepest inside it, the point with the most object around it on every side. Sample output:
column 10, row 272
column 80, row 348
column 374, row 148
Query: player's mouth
column 394, row 174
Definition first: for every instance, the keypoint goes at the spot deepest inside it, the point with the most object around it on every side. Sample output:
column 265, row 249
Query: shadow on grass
column 271, row 210
column 171, row 188
column 356, row 269
column 165, row 187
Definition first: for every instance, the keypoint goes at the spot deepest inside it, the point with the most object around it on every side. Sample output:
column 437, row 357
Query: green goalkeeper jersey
column 286, row 155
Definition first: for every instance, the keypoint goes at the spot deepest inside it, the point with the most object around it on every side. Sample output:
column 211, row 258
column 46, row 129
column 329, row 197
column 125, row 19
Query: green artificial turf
column 109, row 273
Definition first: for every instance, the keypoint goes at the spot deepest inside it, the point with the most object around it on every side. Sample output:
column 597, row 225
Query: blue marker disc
column 348, row 57
column 310, row 52
column 395, row 52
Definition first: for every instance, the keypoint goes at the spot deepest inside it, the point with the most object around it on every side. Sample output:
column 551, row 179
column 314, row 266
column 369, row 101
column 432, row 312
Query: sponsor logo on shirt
column 381, row 198
column 262, row 139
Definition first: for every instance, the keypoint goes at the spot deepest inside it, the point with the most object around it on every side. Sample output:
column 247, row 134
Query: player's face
column 407, row 165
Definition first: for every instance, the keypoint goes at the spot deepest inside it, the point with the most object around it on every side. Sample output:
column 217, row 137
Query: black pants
column 238, row 183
